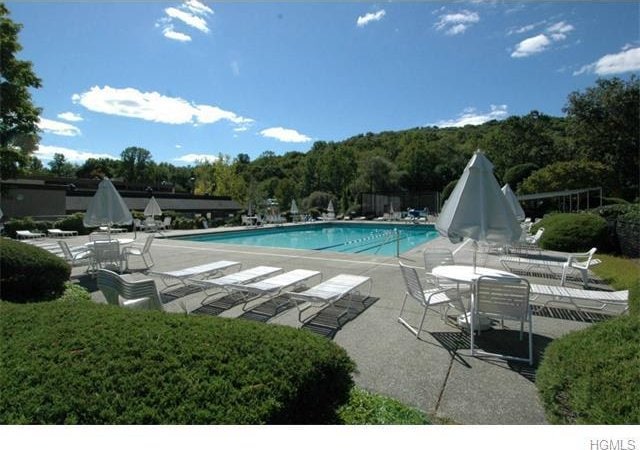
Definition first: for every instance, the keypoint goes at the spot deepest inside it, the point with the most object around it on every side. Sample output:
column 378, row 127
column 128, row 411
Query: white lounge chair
column 246, row 276
column 143, row 253
column 616, row 302
column 183, row 276
column 433, row 296
column 580, row 262
column 139, row 294
column 112, row 230
column 26, row 234
column 502, row 298
column 56, row 232
column 272, row 287
column 327, row 293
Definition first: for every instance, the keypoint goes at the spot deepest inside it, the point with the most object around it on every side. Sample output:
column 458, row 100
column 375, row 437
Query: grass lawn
column 621, row 274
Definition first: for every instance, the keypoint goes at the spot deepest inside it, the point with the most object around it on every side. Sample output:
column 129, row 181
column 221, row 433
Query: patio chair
column 76, row 256
column 107, row 255
column 112, row 230
column 327, row 293
column 616, row 302
column 441, row 257
column 139, row 294
column 103, row 236
column 502, row 298
column 26, row 234
column 56, row 232
column 150, row 224
column 527, row 243
column 221, row 284
column 274, row 286
column 579, row 262
column 189, row 275
column 138, row 225
column 433, row 296
column 143, row 253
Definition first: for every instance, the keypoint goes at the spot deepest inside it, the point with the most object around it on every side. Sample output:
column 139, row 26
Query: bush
column 573, row 232
column 621, row 274
column 23, row 223
column 72, row 223
column 29, row 273
column 77, row 362
column 516, row 174
column 591, row 376
column 365, row 408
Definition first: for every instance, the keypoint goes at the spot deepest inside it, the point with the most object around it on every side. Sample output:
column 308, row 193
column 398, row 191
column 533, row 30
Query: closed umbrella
column 153, row 208
column 513, row 202
column 330, row 207
column 477, row 209
column 294, row 208
column 107, row 208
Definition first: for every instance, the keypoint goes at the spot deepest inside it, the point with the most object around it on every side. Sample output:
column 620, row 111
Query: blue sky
column 191, row 80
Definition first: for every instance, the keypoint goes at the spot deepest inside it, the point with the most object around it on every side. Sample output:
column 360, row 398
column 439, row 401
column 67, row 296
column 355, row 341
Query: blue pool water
column 368, row 239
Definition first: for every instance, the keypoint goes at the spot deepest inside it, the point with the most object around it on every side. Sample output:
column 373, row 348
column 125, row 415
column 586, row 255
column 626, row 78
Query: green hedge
column 29, row 273
column 593, row 376
column 573, row 232
column 76, row 362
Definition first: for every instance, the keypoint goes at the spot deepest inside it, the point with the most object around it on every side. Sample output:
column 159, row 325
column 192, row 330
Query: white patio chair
column 188, row 275
column 76, row 256
column 433, row 296
column 139, row 294
column 143, row 253
column 502, row 298
column 579, row 262
column 57, row 232
column 107, row 255
column 221, row 284
column 442, row 257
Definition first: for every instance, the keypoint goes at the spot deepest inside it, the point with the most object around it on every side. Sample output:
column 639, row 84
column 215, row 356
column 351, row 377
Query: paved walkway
column 435, row 373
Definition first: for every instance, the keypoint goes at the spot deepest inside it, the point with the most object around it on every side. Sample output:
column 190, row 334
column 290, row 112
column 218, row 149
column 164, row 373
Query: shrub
column 29, row 273
column 365, row 408
column 72, row 223
column 591, row 376
column 77, row 362
column 573, row 232
column 514, row 175
column 21, row 223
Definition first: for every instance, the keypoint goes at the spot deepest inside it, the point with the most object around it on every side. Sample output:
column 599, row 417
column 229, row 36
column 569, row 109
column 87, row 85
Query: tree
column 604, row 126
column 60, row 167
column 567, row 175
column 18, row 115
column 98, row 168
column 135, row 164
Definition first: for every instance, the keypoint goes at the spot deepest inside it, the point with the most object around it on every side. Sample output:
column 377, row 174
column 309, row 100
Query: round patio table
column 122, row 241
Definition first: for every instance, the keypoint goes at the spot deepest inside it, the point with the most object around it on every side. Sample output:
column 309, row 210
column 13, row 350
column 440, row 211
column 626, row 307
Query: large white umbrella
column 153, row 208
column 107, row 208
column 330, row 207
column 477, row 209
column 294, row 208
column 513, row 202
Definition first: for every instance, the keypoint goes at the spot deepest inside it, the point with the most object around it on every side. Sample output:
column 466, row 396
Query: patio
column 435, row 373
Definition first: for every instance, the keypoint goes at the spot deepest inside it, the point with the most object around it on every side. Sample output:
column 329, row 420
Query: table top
column 121, row 241
column 467, row 274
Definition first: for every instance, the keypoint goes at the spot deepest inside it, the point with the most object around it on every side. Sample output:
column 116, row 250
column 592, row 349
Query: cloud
column 192, row 158
column 470, row 116
column 191, row 13
column 46, row 152
column 628, row 60
column 370, row 17
column 153, row 106
column 542, row 42
column 457, row 23
column 59, row 128
column 285, row 135
column 70, row 117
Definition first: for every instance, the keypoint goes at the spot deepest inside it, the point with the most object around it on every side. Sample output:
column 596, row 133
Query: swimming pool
column 363, row 238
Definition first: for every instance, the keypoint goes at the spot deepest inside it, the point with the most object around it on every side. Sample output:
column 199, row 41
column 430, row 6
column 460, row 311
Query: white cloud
column 370, row 17
column 170, row 33
column 192, row 13
column 59, row 128
column 627, row 60
column 531, row 46
column 190, row 19
column 198, row 8
column 560, row 28
column 153, row 106
column 285, row 135
column 470, row 116
column 46, row 152
column 192, row 158
column 70, row 117
column 457, row 23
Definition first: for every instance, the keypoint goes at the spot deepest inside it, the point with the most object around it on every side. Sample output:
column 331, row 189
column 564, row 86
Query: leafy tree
column 18, row 115
column 604, row 126
column 567, row 175
column 205, row 178
column 60, row 167
column 135, row 164
column 98, row 168
column 514, row 175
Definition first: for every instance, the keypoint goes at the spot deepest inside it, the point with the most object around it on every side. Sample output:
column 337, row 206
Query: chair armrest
column 137, row 303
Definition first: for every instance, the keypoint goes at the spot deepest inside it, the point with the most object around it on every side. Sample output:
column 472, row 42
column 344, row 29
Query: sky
column 191, row 80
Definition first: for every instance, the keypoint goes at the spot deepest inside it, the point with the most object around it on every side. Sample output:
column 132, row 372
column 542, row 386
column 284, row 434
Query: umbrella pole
column 475, row 254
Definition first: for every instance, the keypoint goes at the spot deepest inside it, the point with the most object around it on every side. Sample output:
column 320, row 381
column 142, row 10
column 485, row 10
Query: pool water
column 367, row 239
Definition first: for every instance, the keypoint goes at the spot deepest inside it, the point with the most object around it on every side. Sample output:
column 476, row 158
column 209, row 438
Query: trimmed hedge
column 592, row 376
column 573, row 232
column 29, row 273
column 77, row 362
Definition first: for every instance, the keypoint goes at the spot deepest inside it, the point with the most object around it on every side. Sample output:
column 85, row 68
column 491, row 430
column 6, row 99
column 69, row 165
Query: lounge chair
column 143, row 253
column 580, row 262
column 246, row 276
column 327, row 293
column 433, row 296
column 528, row 243
column 183, row 276
column 56, row 232
column 112, row 230
column 502, row 298
column 26, row 234
column 272, row 287
column 580, row 299
column 139, row 294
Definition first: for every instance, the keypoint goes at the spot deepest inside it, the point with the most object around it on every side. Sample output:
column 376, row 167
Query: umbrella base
column 482, row 323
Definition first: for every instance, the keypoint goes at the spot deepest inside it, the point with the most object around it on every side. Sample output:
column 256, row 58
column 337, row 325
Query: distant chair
column 26, row 234
column 150, row 224
column 137, row 225
column 57, row 232
column 139, row 294
column 107, row 255
column 143, row 253
column 166, row 224
column 581, row 263
column 76, row 256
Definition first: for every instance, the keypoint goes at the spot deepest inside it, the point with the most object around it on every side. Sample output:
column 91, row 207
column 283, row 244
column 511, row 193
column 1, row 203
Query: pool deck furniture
column 187, row 275
column 246, row 276
column 112, row 230
column 56, row 232
column 138, row 294
column 616, row 302
column 26, row 234
column 327, row 293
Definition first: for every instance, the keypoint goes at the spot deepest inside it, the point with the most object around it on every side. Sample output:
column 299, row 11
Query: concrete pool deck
column 435, row 373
